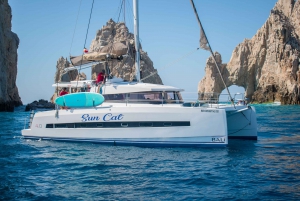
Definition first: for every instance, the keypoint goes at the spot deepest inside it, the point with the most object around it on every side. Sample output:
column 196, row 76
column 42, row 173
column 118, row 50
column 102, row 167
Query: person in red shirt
column 100, row 80
column 63, row 92
column 101, row 77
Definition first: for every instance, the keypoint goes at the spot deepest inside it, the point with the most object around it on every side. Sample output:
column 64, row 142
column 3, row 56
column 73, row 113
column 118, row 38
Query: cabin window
column 70, row 125
column 91, row 125
column 61, row 126
column 146, row 124
column 49, row 126
column 80, row 125
column 168, row 124
column 114, row 97
column 99, row 125
column 172, row 97
column 146, row 97
column 120, row 124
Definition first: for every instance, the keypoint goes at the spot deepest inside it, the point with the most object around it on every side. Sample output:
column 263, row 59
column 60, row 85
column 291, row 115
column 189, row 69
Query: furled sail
column 114, row 50
column 203, row 39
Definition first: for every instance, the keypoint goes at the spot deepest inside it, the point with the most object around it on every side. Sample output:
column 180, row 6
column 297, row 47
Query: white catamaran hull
column 242, row 123
column 153, row 125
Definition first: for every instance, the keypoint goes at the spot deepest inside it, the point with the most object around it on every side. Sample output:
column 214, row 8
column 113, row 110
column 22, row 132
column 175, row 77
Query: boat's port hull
column 154, row 126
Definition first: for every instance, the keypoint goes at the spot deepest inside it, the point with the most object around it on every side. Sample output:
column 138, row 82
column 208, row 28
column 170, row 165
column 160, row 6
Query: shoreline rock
column 41, row 104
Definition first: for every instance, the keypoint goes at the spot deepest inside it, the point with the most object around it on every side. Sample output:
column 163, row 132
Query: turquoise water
column 266, row 169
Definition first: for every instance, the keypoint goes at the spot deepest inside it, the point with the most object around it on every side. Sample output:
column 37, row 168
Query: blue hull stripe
column 243, row 137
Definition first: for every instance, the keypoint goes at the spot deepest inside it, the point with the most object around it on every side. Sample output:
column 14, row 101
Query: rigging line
column 213, row 56
column 111, row 41
column 120, row 11
column 75, row 27
column 124, row 10
column 168, row 65
column 116, row 13
column 87, row 31
column 129, row 19
column 133, row 17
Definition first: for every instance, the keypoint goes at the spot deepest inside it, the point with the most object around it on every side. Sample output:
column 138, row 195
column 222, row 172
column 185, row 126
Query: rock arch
column 267, row 65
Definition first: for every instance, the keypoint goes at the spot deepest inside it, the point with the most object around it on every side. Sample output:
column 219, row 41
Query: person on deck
column 101, row 77
column 100, row 81
column 63, row 92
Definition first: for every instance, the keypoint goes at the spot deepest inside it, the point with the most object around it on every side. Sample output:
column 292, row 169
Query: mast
column 136, row 40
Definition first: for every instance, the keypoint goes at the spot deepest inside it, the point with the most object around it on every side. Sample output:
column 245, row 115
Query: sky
column 168, row 30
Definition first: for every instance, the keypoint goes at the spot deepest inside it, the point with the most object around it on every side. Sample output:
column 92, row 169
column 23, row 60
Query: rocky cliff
column 9, row 42
column 110, row 34
column 61, row 76
column 267, row 65
column 118, row 32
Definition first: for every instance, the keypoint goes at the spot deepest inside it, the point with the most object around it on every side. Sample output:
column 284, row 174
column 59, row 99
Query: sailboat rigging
column 204, row 44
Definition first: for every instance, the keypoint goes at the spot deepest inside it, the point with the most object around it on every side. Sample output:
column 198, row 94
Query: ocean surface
column 266, row 169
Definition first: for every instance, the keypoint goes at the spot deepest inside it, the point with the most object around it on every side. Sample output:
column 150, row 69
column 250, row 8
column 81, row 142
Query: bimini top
column 132, row 87
column 118, row 86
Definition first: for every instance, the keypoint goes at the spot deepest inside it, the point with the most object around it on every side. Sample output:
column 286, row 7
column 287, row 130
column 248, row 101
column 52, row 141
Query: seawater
column 266, row 169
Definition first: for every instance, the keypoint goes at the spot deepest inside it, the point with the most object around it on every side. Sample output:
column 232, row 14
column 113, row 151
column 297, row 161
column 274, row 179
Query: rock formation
column 118, row 32
column 267, row 65
column 106, row 40
column 62, row 76
column 9, row 42
column 41, row 104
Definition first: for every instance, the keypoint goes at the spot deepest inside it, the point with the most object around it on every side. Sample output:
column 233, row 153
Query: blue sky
column 168, row 30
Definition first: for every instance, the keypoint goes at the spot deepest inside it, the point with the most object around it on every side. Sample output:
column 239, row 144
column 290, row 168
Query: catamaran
column 137, row 113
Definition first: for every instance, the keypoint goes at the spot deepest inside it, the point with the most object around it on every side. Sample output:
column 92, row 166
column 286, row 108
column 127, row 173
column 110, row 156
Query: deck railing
column 188, row 99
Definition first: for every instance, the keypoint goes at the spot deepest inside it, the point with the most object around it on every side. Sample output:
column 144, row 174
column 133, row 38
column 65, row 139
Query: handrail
column 199, row 99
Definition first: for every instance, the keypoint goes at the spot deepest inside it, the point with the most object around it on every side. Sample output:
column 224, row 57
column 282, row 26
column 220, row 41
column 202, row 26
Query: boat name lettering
column 218, row 139
column 110, row 117
column 214, row 111
column 87, row 117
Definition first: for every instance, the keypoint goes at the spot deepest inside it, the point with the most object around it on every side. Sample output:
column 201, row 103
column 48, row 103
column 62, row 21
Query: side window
column 153, row 96
column 114, row 97
column 179, row 97
column 136, row 96
column 172, row 97
column 146, row 97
